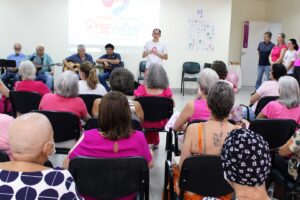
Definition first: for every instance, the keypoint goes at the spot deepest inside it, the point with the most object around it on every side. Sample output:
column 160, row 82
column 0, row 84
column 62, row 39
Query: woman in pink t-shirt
column 27, row 72
column 66, row 98
column 116, row 139
column 278, row 51
column 198, row 109
column 156, row 84
column 288, row 104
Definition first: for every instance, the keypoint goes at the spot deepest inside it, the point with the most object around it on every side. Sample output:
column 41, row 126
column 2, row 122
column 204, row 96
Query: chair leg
column 183, row 88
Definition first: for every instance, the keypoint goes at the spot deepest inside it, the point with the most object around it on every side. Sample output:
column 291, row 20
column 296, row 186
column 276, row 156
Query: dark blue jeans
column 45, row 77
column 102, row 78
column 8, row 75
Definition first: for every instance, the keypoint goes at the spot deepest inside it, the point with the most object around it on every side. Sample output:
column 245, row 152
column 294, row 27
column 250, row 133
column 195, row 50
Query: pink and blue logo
column 117, row 6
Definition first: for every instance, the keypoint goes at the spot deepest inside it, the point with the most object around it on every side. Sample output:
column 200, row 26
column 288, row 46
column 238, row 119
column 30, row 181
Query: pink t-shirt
column 5, row 121
column 297, row 59
column 54, row 102
column 201, row 110
column 275, row 54
column 141, row 91
column 268, row 88
column 276, row 110
column 32, row 86
column 94, row 144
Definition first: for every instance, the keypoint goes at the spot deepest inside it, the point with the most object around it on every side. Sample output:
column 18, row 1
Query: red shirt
column 32, row 86
column 276, row 52
column 54, row 102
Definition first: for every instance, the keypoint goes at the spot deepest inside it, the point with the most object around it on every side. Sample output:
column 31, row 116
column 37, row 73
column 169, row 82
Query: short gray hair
column 289, row 93
column 39, row 46
column 27, row 70
column 156, row 77
column 80, row 46
column 66, row 84
column 220, row 100
column 207, row 78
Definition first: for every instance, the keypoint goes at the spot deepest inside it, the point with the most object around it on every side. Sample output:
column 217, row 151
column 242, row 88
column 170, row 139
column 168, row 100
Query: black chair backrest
column 263, row 102
column 110, row 178
column 89, row 101
column 196, row 121
column 142, row 66
column 66, row 126
column 275, row 131
column 207, row 65
column 92, row 123
column 203, row 175
column 191, row 67
column 4, row 156
column 24, row 102
column 156, row 108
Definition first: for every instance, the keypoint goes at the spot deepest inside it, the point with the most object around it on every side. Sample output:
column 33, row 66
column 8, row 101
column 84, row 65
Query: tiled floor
column 157, row 172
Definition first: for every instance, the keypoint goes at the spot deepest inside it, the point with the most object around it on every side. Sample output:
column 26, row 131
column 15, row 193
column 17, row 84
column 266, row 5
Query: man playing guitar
column 73, row 62
column 108, row 61
column 42, row 63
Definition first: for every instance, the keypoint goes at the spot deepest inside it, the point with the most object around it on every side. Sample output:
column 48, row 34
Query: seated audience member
column 13, row 72
column 208, row 137
column 27, row 73
column 156, row 84
column 89, row 83
column 66, row 98
column 288, row 104
column 122, row 80
column 117, row 139
column 221, row 69
column 268, row 88
column 290, row 166
column 31, row 143
column 78, row 58
column 5, row 121
column 109, row 61
column 42, row 61
column 198, row 109
column 246, row 164
column 289, row 57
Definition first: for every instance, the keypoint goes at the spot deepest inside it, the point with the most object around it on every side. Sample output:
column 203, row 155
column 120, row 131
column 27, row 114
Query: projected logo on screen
column 122, row 22
column 119, row 8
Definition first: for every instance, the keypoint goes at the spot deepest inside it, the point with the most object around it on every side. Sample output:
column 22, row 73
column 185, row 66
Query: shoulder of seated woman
column 30, row 167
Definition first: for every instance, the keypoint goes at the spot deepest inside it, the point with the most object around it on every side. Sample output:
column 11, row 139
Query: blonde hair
column 90, row 74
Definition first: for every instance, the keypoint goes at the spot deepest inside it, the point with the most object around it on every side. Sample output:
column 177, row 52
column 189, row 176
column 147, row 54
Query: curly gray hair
column 27, row 70
column 66, row 84
column 156, row 77
column 289, row 93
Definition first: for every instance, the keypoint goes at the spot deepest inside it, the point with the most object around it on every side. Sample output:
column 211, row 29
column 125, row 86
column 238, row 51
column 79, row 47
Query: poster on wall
column 200, row 33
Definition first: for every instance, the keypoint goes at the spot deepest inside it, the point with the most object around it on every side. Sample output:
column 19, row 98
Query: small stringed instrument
column 71, row 66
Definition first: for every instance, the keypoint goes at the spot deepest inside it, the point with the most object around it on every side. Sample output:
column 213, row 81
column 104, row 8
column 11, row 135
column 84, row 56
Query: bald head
column 28, row 135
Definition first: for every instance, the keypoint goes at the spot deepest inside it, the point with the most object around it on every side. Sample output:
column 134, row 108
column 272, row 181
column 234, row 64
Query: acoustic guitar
column 71, row 66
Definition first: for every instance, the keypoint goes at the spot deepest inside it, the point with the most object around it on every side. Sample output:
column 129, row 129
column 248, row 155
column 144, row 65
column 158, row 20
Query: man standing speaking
column 154, row 50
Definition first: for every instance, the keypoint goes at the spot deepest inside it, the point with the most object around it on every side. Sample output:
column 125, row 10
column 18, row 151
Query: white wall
column 244, row 10
column 38, row 21
column 286, row 12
